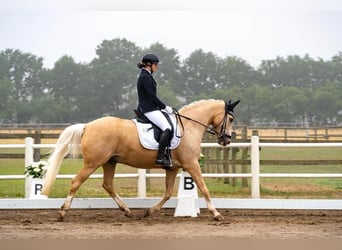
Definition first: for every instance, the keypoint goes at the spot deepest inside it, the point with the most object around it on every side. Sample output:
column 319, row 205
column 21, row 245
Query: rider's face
column 154, row 67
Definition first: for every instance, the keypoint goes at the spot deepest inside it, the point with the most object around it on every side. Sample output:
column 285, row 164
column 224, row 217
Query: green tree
column 326, row 104
column 23, row 71
column 257, row 106
column 49, row 110
column 115, row 74
column 288, row 104
column 64, row 84
column 7, row 103
column 336, row 68
column 199, row 72
column 286, row 89
column 234, row 71
column 292, row 71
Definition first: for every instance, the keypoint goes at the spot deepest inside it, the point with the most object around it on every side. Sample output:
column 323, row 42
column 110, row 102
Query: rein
column 210, row 130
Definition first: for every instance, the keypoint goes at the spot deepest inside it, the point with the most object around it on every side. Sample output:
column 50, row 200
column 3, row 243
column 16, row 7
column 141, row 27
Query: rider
column 150, row 105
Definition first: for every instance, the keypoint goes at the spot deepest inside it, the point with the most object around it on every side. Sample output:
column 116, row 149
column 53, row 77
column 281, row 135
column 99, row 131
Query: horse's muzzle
column 224, row 140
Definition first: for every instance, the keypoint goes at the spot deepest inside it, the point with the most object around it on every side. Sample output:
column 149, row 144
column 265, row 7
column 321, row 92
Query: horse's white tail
column 68, row 141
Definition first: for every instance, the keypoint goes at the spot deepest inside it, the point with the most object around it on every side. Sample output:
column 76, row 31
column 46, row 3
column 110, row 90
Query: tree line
column 290, row 89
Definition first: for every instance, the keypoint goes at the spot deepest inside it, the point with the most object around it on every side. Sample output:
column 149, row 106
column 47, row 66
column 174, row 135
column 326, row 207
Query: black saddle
column 140, row 117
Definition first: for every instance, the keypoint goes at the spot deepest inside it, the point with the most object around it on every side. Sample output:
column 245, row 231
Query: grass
column 270, row 187
column 296, row 187
column 302, row 187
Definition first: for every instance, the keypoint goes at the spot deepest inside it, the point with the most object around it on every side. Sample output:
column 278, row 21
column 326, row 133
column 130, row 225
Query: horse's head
column 225, row 134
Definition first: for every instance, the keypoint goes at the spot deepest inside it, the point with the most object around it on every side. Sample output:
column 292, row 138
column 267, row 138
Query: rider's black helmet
column 150, row 58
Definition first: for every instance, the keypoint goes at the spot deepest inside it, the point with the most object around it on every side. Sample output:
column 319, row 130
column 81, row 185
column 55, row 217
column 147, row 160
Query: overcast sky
column 251, row 29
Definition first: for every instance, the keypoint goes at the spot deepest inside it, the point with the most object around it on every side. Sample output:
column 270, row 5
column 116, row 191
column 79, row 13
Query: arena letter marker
column 187, row 193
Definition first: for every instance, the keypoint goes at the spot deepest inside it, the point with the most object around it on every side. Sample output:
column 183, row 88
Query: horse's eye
column 231, row 120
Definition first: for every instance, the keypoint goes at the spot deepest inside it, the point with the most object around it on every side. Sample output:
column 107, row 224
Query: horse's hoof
column 129, row 214
column 60, row 216
column 147, row 213
column 218, row 217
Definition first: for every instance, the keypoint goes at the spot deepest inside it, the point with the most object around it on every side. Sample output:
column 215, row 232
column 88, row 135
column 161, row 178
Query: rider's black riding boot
column 163, row 157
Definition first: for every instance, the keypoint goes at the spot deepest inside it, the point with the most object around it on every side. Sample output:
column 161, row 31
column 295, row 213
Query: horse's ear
column 230, row 106
column 235, row 103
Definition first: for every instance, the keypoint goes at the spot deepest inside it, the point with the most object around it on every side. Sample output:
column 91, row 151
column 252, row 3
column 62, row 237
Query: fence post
column 28, row 151
column 234, row 153
column 244, row 156
column 37, row 140
column 226, row 180
column 142, row 183
column 255, row 165
column 28, row 161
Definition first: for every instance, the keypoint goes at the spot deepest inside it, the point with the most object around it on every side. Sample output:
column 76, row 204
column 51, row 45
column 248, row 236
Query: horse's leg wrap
column 64, row 208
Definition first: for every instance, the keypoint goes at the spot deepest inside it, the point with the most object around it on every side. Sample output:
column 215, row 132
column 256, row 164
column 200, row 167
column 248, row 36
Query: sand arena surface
column 112, row 224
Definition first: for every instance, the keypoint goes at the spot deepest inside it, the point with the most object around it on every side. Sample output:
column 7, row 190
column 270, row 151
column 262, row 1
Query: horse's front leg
column 195, row 172
column 169, row 183
column 108, row 176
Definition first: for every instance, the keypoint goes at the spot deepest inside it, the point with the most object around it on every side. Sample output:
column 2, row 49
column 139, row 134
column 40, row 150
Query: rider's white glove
column 168, row 109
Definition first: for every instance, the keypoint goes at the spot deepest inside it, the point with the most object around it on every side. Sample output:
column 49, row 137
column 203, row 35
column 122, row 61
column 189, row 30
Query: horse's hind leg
column 76, row 182
column 108, row 175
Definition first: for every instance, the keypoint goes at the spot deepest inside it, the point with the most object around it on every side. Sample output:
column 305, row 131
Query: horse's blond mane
column 195, row 103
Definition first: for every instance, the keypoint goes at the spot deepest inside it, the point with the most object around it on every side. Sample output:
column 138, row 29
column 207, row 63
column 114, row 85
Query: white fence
column 142, row 201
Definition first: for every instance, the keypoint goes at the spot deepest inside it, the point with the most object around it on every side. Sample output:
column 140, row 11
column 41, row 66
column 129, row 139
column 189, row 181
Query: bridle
column 222, row 133
column 209, row 129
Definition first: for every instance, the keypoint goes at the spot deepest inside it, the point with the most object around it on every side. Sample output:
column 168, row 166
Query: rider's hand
column 169, row 109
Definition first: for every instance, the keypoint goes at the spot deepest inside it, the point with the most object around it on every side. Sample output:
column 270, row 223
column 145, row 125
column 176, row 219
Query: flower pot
column 33, row 188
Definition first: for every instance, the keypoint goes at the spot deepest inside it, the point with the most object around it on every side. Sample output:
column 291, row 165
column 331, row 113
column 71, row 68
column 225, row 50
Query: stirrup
column 165, row 162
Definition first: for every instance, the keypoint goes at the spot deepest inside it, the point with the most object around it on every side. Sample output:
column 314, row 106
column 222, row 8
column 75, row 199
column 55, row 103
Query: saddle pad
column 146, row 135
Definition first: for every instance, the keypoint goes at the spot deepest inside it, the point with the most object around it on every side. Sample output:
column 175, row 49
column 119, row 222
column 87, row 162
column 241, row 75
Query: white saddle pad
column 146, row 135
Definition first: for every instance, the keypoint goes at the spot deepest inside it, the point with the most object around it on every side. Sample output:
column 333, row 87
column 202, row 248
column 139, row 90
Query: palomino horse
column 110, row 140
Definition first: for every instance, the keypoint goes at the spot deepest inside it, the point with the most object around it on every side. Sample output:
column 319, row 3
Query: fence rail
column 254, row 175
column 49, row 133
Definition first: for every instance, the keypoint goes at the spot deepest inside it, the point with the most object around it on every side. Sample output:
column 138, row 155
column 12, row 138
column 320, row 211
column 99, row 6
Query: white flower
column 42, row 163
column 36, row 169
column 35, row 164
